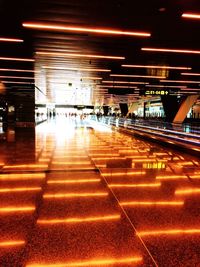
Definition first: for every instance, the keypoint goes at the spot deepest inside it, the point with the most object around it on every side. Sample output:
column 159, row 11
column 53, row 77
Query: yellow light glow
column 19, row 189
column 171, row 177
column 82, row 29
column 78, row 181
column 189, row 191
column 134, row 185
column 171, row 50
column 78, row 55
column 17, row 59
column 124, row 173
column 96, row 262
column 156, row 67
column 2, row 39
column 75, row 195
column 191, row 16
column 169, row 232
column 12, row 243
column 152, row 203
column 76, row 69
column 80, row 220
column 15, row 209
column 141, row 76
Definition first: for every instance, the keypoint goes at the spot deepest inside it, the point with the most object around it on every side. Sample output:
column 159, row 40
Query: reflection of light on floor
column 189, row 191
column 22, row 176
column 19, row 189
column 152, row 203
column 169, row 232
column 80, row 220
column 96, row 262
column 11, row 243
column 14, row 209
column 124, row 173
column 69, row 157
column 71, row 163
column 103, row 155
column 195, row 176
column 134, row 185
column 171, row 177
column 75, row 195
column 25, row 166
column 78, row 181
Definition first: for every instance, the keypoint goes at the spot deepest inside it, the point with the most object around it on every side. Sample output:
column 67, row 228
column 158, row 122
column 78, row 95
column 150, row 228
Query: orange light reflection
column 75, row 195
column 11, row 243
column 152, row 203
column 79, row 220
column 169, row 232
column 96, row 262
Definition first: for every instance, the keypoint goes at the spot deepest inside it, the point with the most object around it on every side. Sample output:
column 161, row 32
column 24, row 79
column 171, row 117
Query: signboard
column 157, row 92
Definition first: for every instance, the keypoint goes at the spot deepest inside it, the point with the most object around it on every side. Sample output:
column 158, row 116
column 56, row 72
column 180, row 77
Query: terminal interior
column 99, row 133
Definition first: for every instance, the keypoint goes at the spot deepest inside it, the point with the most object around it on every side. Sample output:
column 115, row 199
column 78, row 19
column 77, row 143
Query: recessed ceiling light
column 2, row 39
column 18, row 70
column 76, row 69
column 191, row 16
column 79, row 55
column 17, row 77
column 17, row 59
column 136, row 76
column 84, row 29
column 190, row 74
column 124, row 82
column 170, row 50
column 156, row 67
column 178, row 81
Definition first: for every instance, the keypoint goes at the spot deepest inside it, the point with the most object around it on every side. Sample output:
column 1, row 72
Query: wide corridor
column 75, row 193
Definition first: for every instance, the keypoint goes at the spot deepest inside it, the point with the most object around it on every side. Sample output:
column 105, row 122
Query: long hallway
column 75, row 193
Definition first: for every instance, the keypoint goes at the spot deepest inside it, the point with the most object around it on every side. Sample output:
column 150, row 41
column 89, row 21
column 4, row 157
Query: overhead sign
column 162, row 92
column 156, row 92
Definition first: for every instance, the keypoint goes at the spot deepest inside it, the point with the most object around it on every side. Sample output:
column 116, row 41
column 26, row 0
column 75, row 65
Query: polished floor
column 75, row 193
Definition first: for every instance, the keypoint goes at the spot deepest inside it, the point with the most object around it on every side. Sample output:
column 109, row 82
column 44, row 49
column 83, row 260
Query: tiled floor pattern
column 57, row 209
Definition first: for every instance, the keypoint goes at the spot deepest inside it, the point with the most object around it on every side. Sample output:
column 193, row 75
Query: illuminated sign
column 156, row 92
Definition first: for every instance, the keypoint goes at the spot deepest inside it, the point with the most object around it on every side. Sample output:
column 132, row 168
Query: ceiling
column 65, row 69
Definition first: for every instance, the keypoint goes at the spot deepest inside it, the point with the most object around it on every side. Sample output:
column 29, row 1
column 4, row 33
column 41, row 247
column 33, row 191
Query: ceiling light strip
column 84, row 29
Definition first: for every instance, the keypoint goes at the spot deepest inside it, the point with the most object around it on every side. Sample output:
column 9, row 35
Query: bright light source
column 76, row 69
column 79, row 55
column 83, row 29
column 138, row 76
column 178, row 81
column 156, row 67
column 191, row 16
column 2, row 39
column 170, row 50
column 17, row 59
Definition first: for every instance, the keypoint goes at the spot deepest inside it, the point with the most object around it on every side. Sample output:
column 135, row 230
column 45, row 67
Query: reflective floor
column 74, row 193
